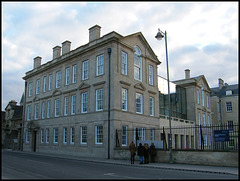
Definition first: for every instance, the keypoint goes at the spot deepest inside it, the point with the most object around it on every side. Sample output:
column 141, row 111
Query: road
column 22, row 165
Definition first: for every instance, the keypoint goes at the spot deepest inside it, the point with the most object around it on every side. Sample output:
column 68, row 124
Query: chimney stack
column 66, row 47
column 13, row 102
column 220, row 83
column 56, row 52
column 94, row 32
column 187, row 74
column 37, row 62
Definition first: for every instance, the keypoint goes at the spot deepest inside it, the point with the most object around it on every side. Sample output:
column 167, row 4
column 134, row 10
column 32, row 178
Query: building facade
column 12, row 127
column 224, row 103
column 75, row 102
column 198, row 105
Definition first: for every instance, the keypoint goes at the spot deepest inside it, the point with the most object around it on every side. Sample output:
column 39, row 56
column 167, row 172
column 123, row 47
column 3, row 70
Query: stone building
column 12, row 128
column 224, row 103
column 198, row 104
column 75, row 102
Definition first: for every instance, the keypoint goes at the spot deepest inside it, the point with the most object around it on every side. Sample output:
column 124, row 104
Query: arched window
column 137, row 63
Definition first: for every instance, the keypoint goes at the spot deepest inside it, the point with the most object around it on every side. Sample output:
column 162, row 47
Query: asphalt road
column 21, row 165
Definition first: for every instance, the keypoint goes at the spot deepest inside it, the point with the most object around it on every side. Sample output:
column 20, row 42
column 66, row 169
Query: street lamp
column 159, row 36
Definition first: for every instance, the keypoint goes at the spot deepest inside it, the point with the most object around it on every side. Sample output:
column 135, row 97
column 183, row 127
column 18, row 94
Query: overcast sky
column 201, row 36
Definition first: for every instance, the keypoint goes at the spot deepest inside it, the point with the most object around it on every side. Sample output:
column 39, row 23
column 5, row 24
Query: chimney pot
column 56, row 52
column 37, row 62
column 66, row 47
column 94, row 32
column 187, row 74
column 220, row 83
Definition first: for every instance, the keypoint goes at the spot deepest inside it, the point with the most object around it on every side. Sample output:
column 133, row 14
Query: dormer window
column 228, row 92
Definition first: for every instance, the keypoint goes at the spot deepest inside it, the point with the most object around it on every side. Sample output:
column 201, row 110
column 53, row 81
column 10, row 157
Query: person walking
column 146, row 154
column 152, row 152
column 141, row 153
column 132, row 149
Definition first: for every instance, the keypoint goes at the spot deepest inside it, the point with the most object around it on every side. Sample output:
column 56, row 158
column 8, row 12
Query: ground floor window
column 99, row 134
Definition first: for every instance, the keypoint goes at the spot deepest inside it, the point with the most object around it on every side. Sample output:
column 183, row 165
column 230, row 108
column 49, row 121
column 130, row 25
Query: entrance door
column 34, row 136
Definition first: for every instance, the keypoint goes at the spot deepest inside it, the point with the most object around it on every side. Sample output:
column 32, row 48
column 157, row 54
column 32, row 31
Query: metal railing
column 194, row 137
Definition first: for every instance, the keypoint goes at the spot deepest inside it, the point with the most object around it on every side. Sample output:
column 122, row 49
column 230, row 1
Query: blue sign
column 221, row 135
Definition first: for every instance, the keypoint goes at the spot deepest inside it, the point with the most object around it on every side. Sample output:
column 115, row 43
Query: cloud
column 201, row 36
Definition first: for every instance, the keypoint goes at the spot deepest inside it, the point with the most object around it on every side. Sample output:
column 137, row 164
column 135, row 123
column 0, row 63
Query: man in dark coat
column 141, row 153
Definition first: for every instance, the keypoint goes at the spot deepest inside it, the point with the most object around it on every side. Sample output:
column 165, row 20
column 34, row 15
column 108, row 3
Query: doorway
column 34, row 141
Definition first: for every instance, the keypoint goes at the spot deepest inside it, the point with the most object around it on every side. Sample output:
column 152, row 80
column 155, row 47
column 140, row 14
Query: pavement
column 167, row 166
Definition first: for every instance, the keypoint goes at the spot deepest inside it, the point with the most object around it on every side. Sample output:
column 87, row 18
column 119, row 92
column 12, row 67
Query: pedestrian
column 141, row 153
column 132, row 149
column 153, row 152
column 146, row 154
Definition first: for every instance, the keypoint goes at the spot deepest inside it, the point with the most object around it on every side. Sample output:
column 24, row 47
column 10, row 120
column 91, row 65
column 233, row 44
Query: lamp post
column 159, row 36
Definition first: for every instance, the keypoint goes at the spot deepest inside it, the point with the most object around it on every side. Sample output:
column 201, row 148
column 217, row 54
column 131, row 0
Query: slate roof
column 222, row 92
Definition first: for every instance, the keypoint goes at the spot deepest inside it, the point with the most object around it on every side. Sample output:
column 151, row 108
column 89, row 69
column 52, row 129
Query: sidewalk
column 168, row 166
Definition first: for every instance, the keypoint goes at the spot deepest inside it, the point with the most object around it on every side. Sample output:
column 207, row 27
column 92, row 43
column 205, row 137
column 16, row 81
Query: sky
column 201, row 36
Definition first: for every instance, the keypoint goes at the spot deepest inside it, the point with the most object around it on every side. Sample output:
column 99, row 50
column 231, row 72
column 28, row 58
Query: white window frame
column 28, row 112
column 72, row 135
column 66, row 106
column 42, row 136
column 83, row 135
column 202, row 96
column 85, row 70
column 204, row 119
column 124, row 63
column 48, row 109
column 139, row 102
column 58, row 79
column 124, row 135
column 84, row 104
column 43, row 110
column 57, row 107
column 199, row 118
column 55, row 135
column 47, row 135
column 73, row 105
column 37, row 86
column 137, row 64
column 124, row 99
column 228, row 106
column 50, row 82
column 30, row 89
column 141, row 134
column 27, row 136
column 36, row 111
column 64, row 135
column 198, row 97
column 99, row 99
column 207, row 100
column 151, row 106
column 74, row 73
column 98, row 134
column 152, row 134
column 67, row 76
column 100, row 65
column 44, row 83
column 150, row 74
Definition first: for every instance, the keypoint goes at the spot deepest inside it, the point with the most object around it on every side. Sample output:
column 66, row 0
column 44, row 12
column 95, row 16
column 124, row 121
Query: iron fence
column 194, row 137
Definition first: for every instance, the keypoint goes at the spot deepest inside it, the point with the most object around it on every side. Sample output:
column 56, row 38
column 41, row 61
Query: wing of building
column 74, row 104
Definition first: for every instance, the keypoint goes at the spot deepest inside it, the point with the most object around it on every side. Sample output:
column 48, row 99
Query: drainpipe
column 109, row 80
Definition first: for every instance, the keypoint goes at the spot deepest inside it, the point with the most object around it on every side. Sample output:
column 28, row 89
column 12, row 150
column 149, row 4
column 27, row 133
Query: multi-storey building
column 198, row 104
column 224, row 103
column 75, row 103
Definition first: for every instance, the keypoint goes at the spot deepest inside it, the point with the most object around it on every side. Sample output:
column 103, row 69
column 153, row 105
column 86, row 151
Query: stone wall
column 215, row 158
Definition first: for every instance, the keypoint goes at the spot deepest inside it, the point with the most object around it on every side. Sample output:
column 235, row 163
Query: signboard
column 221, row 135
